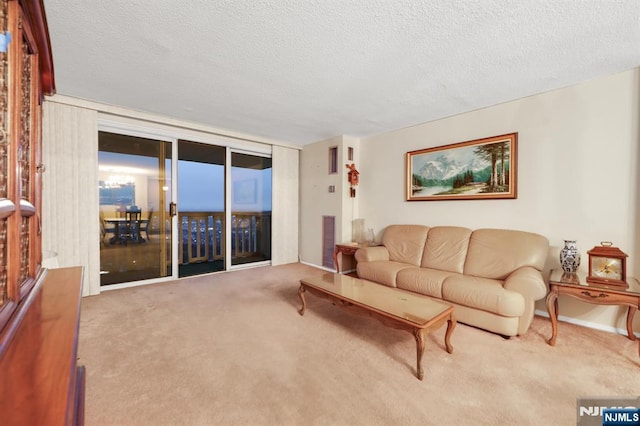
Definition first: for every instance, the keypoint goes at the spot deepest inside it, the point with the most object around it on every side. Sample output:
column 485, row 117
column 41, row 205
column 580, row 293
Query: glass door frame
column 173, row 136
column 229, row 210
column 146, row 133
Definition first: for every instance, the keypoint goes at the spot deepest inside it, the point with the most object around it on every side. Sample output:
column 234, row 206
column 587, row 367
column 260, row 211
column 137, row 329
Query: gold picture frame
column 472, row 170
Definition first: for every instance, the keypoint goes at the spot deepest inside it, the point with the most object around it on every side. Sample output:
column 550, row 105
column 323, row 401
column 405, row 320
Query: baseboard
column 587, row 324
column 324, row 268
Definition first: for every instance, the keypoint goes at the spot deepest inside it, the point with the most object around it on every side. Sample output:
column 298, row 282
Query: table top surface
column 579, row 280
column 356, row 245
column 410, row 307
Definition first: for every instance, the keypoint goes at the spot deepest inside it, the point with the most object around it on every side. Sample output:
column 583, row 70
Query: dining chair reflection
column 132, row 226
column 145, row 224
column 106, row 228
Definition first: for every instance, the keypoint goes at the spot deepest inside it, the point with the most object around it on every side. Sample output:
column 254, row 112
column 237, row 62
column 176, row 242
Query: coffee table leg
column 418, row 333
column 451, row 324
column 304, row 302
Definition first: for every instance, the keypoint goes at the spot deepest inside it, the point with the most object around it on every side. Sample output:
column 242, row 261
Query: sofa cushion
column 483, row 293
column 495, row 253
column 446, row 248
column 405, row 243
column 422, row 280
column 383, row 272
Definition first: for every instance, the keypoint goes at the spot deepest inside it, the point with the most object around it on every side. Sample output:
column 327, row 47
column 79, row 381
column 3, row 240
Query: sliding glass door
column 201, row 208
column 221, row 219
column 250, row 208
column 135, row 196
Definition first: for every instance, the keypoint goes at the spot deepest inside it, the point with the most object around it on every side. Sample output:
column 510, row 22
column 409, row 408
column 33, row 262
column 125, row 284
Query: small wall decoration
column 353, row 176
column 473, row 170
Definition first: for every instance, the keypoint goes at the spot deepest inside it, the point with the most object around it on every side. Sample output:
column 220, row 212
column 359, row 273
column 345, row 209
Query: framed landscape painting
column 473, row 170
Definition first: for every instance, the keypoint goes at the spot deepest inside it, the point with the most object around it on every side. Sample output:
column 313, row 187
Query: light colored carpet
column 231, row 348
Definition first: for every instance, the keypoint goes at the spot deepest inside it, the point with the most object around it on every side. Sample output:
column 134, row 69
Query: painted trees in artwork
column 497, row 154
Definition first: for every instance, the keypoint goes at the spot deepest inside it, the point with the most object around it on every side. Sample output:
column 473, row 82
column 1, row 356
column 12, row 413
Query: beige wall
column 317, row 201
column 577, row 175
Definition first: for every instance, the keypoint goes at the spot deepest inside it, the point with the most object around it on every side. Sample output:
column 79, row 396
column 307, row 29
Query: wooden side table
column 576, row 286
column 345, row 249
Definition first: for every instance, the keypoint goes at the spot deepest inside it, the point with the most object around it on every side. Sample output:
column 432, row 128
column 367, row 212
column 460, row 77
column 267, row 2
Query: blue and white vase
column 569, row 256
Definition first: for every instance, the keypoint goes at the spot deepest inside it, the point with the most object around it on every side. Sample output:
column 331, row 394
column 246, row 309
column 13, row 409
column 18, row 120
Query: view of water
column 430, row 190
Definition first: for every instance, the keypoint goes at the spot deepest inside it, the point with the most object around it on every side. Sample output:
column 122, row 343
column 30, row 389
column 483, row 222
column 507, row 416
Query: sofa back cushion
column 405, row 243
column 495, row 253
column 446, row 248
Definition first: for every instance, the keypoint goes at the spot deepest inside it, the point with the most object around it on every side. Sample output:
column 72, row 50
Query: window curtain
column 285, row 215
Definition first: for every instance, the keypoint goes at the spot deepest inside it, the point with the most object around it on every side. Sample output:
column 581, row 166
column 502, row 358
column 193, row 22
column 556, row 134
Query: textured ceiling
column 299, row 71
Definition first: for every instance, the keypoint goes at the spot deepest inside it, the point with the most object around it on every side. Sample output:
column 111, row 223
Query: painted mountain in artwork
column 442, row 168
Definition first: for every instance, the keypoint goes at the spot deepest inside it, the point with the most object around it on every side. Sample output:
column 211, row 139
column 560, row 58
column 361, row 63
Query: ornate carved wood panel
column 24, row 65
column 26, row 143
column 5, row 204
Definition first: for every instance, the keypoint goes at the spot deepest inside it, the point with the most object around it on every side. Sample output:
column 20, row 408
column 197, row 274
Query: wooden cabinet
column 40, row 382
column 26, row 75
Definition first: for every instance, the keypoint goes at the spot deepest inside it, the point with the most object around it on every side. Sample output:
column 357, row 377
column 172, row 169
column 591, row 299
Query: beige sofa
column 492, row 276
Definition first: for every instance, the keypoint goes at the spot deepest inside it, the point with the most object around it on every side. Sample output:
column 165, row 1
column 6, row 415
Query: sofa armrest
column 371, row 254
column 528, row 281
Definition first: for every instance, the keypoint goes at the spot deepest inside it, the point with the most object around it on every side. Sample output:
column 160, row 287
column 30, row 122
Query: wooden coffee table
column 392, row 306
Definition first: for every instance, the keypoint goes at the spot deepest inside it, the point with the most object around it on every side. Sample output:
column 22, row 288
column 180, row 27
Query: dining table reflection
column 127, row 229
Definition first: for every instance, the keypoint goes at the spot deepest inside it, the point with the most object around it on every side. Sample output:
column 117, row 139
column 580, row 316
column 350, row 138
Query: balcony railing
column 202, row 236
